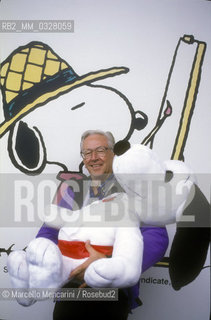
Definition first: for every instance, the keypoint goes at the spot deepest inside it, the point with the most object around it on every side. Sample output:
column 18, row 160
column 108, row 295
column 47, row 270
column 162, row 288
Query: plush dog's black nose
column 121, row 147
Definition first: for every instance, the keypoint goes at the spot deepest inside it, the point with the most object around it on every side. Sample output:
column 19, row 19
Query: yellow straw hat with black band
column 34, row 74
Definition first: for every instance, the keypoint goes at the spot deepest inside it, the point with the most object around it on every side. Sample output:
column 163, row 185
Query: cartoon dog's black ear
column 27, row 149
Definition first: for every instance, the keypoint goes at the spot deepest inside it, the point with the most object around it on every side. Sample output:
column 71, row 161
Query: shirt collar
column 103, row 188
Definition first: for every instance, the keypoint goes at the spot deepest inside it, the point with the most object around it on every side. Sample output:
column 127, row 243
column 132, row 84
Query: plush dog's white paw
column 18, row 269
column 45, row 264
column 104, row 273
column 19, row 276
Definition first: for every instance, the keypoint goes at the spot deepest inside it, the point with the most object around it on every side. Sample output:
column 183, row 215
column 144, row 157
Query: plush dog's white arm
column 124, row 268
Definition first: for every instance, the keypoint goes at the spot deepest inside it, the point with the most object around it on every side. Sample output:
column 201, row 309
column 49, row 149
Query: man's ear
column 27, row 149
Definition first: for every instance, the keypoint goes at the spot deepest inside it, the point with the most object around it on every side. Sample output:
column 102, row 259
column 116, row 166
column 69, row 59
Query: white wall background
column 141, row 35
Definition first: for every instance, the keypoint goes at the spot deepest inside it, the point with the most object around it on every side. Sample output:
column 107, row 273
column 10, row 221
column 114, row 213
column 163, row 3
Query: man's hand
column 78, row 272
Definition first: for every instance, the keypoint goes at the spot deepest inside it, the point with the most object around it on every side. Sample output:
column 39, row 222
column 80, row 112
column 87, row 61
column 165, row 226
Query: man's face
column 98, row 164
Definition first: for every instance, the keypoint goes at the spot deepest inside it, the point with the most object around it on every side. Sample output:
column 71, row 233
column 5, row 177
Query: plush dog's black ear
column 121, row 147
column 27, row 149
column 191, row 242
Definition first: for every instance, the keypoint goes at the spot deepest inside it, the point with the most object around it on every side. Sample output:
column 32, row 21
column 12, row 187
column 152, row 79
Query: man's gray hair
column 107, row 134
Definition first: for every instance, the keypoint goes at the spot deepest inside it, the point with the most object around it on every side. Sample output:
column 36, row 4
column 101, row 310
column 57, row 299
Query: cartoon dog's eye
column 78, row 106
column 140, row 120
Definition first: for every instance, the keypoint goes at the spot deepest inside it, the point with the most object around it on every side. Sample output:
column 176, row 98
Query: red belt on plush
column 77, row 249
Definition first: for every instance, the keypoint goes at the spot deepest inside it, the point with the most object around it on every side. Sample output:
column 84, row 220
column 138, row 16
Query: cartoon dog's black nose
column 121, row 147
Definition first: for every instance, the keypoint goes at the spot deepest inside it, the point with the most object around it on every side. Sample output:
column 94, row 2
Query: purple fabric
column 66, row 196
column 49, row 233
column 155, row 244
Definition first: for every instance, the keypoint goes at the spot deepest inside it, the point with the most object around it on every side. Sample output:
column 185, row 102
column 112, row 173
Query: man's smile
column 95, row 166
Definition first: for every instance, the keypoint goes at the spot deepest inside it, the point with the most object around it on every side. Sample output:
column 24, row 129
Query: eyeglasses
column 100, row 151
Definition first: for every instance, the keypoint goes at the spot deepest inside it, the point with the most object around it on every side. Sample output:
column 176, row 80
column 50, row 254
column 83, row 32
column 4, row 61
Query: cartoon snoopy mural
column 34, row 76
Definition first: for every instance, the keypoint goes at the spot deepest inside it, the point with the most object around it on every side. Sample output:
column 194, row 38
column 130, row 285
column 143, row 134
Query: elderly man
column 97, row 153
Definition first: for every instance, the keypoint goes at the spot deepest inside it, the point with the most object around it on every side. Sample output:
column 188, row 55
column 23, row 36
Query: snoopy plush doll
column 155, row 193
